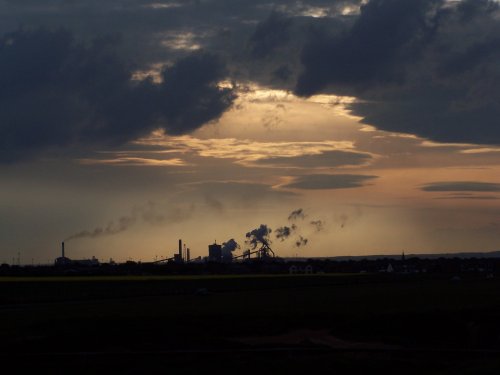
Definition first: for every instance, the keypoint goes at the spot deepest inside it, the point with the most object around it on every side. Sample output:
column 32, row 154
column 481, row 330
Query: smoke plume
column 282, row 233
column 228, row 247
column 258, row 236
column 318, row 225
column 301, row 241
column 122, row 224
column 296, row 214
column 148, row 213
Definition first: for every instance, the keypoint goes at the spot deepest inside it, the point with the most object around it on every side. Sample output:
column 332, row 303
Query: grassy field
column 410, row 321
column 63, row 279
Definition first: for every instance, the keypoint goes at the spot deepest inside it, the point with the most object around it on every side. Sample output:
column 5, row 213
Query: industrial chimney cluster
column 183, row 255
column 216, row 254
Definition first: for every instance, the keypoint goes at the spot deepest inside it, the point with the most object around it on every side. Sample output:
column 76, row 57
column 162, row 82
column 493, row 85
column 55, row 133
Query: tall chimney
column 62, row 248
column 188, row 255
column 180, row 249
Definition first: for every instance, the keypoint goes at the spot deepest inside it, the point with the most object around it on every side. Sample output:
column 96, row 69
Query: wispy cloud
column 329, row 181
column 249, row 152
column 471, row 197
column 475, row 186
column 325, row 159
column 131, row 161
column 481, row 150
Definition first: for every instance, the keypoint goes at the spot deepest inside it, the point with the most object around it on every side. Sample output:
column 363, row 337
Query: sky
column 341, row 127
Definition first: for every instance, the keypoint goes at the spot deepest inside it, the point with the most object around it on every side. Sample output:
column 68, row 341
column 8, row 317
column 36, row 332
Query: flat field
column 348, row 323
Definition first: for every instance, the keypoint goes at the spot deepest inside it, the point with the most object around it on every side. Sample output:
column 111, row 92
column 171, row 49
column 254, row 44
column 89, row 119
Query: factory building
column 62, row 260
column 215, row 252
column 65, row 261
column 182, row 255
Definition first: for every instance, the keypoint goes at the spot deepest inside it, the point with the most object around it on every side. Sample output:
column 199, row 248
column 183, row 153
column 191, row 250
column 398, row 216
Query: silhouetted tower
column 265, row 251
column 178, row 257
column 215, row 252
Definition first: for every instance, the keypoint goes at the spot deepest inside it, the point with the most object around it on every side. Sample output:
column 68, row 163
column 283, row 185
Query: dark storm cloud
column 282, row 73
column 82, row 93
column 243, row 31
column 189, row 93
column 426, row 67
column 462, row 186
column 326, row 159
column 56, row 92
column 371, row 51
column 269, row 35
column 153, row 29
column 327, row 181
column 272, row 54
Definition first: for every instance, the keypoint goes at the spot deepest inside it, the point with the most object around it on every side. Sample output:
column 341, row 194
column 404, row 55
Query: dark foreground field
column 249, row 324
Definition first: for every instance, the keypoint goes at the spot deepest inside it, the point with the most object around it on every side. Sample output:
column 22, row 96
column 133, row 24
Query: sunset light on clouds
column 202, row 120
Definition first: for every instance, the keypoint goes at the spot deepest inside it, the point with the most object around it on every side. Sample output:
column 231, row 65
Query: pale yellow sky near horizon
column 230, row 176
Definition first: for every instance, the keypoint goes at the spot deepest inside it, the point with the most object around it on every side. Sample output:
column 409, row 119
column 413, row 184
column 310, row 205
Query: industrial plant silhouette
column 251, row 312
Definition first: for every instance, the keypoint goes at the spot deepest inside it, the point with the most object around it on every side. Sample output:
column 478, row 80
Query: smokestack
column 188, row 255
column 180, row 249
column 62, row 248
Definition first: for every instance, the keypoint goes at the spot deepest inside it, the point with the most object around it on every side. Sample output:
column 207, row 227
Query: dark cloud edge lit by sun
column 62, row 88
column 133, row 116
